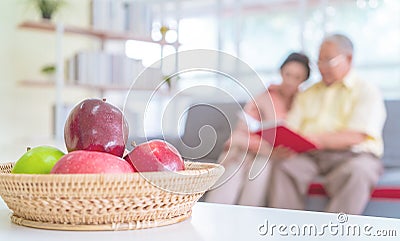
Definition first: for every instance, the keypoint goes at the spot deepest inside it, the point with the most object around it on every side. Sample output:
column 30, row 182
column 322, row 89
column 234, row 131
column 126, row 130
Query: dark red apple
column 155, row 155
column 96, row 125
column 87, row 162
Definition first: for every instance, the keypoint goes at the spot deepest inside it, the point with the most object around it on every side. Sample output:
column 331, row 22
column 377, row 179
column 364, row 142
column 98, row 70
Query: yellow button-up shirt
column 351, row 104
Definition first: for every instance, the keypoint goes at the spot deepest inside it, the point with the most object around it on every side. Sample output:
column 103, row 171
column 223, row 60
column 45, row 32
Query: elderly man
column 344, row 116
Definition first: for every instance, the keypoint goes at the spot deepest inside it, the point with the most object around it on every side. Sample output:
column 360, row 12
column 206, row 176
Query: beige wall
column 25, row 112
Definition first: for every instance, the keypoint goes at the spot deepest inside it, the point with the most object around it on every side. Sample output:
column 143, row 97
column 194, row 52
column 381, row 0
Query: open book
column 277, row 134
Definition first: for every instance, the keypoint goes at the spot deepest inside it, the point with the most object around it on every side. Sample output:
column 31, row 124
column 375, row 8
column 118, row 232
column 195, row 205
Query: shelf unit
column 99, row 34
column 60, row 29
column 101, row 88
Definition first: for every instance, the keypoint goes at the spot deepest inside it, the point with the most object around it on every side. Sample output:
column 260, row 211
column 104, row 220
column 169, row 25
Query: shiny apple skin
column 96, row 125
column 91, row 162
column 154, row 156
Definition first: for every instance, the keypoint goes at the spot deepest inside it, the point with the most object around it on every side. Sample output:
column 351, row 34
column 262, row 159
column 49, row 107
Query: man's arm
column 338, row 140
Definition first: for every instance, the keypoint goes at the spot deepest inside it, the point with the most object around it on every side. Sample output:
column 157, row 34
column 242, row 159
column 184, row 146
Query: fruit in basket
column 96, row 125
column 155, row 155
column 38, row 160
column 86, row 162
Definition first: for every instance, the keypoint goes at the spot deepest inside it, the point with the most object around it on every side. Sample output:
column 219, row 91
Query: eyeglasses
column 332, row 62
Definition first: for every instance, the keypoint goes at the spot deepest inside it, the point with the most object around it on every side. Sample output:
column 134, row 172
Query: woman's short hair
column 299, row 58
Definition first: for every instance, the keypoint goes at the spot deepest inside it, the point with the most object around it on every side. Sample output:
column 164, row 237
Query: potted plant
column 49, row 71
column 48, row 7
column 168, row 80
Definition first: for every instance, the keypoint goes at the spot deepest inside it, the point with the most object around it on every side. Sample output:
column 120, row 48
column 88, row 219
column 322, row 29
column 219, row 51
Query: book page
column 255, row 125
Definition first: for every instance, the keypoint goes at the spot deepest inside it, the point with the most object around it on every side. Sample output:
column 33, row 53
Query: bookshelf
column 101, row 35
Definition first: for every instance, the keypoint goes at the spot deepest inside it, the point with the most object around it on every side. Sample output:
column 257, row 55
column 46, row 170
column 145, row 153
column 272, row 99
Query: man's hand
column 281, row 153
column 318, row 140
column 342, row 140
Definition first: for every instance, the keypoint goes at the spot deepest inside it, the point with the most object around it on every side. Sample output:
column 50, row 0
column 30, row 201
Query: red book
column 277, row 134
column 282, row 136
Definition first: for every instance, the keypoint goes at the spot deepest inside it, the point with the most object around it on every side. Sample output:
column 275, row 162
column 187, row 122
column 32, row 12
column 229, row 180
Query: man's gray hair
column 343, row 42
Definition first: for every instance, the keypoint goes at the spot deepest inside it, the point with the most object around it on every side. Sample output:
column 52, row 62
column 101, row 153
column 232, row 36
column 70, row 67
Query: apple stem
column 133, row 144
column 104, row 99
column 28, row 148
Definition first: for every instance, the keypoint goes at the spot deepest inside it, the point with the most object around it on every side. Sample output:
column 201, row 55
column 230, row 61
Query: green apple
column 38, row 160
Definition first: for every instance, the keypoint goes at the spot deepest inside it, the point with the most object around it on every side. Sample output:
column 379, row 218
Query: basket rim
column 205, row 168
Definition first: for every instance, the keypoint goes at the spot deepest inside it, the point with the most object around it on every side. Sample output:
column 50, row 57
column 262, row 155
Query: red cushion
column 380, row 192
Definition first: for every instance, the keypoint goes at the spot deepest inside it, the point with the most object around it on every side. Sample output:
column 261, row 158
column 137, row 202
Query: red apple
column 95, row 125
column 91, row 162
column 155, row 155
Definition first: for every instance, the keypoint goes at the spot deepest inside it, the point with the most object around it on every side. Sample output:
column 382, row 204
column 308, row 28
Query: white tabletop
column 225, row 222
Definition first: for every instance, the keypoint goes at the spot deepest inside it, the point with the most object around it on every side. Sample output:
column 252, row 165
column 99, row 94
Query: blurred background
column 96, row 48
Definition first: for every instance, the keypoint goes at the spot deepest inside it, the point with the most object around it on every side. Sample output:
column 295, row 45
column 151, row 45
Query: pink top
column 261, row 108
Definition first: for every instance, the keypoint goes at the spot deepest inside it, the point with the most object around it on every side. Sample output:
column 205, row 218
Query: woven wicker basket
column 105, row 202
